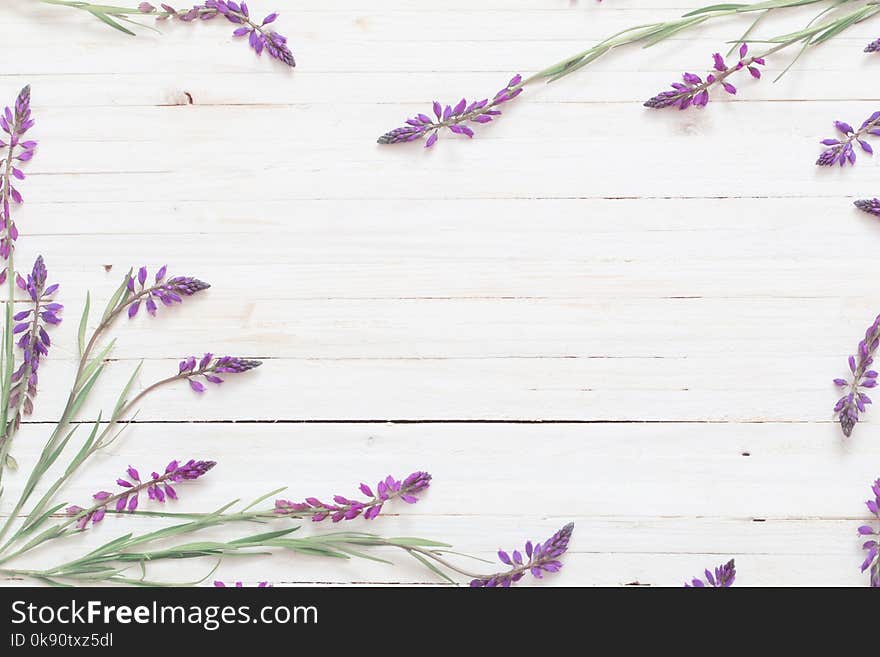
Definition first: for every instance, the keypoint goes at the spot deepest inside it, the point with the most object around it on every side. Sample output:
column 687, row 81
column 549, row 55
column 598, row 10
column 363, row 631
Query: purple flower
column 871, row 206
column 208, row 367
column 158, row 487
column 855, row 399
column 874, row 46
column 259, row 36
column 167, row 292
column 842, row 150
column 722, row 578
column 535, row 559
column 346, row 509
column 222, row 585
column 14, row 122
column 693, row 91
column 32, row 338
column 870, row 545
column 455, row 119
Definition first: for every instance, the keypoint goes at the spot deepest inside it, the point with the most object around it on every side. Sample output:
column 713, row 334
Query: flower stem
column 8, row 353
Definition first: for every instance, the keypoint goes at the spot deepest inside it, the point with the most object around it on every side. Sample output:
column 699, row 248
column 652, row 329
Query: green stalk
column 93, row 444
column 653, row 33
column 88, row 371
column 8, row 341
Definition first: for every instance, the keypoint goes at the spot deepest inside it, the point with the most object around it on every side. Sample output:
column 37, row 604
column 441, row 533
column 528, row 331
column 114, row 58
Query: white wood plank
column 592, row 312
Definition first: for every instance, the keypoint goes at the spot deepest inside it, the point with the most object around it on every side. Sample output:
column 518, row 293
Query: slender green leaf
column 116, row 298
column 96, row 362
column 104, row 18
column 263, row 498
column 124, row 394
column 432, row 567
column 83, row 322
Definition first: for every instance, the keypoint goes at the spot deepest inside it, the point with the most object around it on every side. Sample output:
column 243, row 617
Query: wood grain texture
column 590, row 312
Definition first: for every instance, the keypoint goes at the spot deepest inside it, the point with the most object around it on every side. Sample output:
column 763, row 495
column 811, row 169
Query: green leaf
column 711, row 8
column 122, row 396
column 93, row 365
column 30, row 527
column 432, row 567
column 81, row 333
column 417, row 542
column 109, row 546
column 263, row 498
column 104, row 18
column 47, row 535
column 261, row 538
column 118, row 296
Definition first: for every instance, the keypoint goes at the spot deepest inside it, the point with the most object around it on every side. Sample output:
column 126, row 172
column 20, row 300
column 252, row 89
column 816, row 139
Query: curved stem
column 99, row 442
column 64, row 421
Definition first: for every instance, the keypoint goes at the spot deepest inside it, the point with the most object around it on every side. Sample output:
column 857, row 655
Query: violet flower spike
column 874, row 46
column 208, row 367
column 159, row 488
column 32, row 338
column 855, row 399
column 15, row 122
column 693, row 91
column 346, row 509
column 870, row 536
column 722, row 578
column 260, row 37
column 869, row 205
column 535, row 559
column 455, row 119
column 167, row 292
column 842, row 150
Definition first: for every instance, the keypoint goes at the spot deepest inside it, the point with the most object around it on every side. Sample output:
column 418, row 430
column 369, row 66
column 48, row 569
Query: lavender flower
column 260, row 37
column 222, row 585
column 840, row 151
column 694, row 91
column 453, row 118
column 209, row 367
column 346, row 509
column 871, row 544
column 855, row 400
column 871, row 206
column 33, row 340
column 537, row 560
column 166, row 292
column 158, row 488
column 721, row 579
column 874, row 46
column 15, row 122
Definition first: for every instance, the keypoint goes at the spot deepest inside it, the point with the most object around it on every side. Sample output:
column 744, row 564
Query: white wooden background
column 591, row 312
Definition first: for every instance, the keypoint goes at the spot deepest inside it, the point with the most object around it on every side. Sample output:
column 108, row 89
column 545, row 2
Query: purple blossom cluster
column 33, row 340
column 841, row 150
column 693, row 91
column 158, row 488
column 871, row 544
column 874, row 46
column 722, row 578
column 535, row 559
column 345, row 509
column 454, row 118
column 208, row 367
column 855, row 400
column 260, row 37
column 168, row 292
column 869, row 205
column 15, row 122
